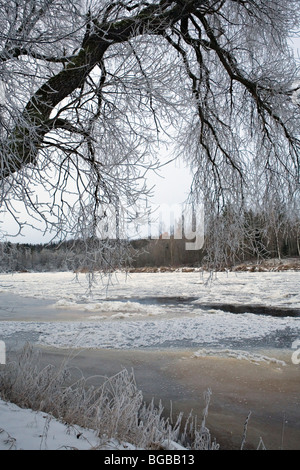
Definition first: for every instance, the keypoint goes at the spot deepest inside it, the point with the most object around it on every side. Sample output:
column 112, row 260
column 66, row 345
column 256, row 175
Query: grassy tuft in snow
column 115, row 409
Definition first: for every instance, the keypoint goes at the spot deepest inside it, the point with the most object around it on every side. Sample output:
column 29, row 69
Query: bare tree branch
column 89, row 90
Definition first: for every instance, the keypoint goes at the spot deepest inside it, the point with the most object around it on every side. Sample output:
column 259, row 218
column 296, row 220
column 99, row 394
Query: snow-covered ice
column 267, row 288
column 154, row 310
column 241, row 355
column 204, row 329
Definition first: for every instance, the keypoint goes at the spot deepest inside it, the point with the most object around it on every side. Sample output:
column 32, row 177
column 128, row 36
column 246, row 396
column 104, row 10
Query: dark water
column 184, row 302
column 256, row 309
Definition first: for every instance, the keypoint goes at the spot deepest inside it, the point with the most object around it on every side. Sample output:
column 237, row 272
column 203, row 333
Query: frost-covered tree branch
column 89, row 89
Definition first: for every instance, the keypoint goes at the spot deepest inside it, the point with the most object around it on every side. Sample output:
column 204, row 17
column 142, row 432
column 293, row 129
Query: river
column 181, row 333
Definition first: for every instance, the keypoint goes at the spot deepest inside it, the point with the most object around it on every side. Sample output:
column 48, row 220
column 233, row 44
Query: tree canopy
column 90, row 89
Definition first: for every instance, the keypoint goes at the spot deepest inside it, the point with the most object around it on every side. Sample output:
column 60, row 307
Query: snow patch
column 238, row 354
column 25, row 429
column 110, row 307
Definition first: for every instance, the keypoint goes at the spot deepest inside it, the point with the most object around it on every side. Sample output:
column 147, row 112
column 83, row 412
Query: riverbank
column 261, row 265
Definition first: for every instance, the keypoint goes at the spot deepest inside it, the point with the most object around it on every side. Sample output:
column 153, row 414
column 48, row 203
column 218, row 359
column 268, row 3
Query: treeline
column 72, row 255
column 234, row 236
column 230, row 238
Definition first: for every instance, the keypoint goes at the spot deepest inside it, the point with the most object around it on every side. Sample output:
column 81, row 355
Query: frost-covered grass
column 115, row 410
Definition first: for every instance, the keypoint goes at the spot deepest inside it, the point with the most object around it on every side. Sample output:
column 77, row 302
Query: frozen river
column 152, row 310
column 180, row 334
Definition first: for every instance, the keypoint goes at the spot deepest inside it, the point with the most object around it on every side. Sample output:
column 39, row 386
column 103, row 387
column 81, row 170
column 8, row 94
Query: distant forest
column 228, row 241
column 71, row 255
column 161, row 252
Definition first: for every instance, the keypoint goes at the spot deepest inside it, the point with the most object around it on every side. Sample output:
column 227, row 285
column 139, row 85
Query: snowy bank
column 25, row 429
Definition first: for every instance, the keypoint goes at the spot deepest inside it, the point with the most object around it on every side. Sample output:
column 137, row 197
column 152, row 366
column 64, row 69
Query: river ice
column 151, row 310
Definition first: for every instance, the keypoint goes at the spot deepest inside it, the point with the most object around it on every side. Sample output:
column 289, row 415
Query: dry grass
column 115, row 409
